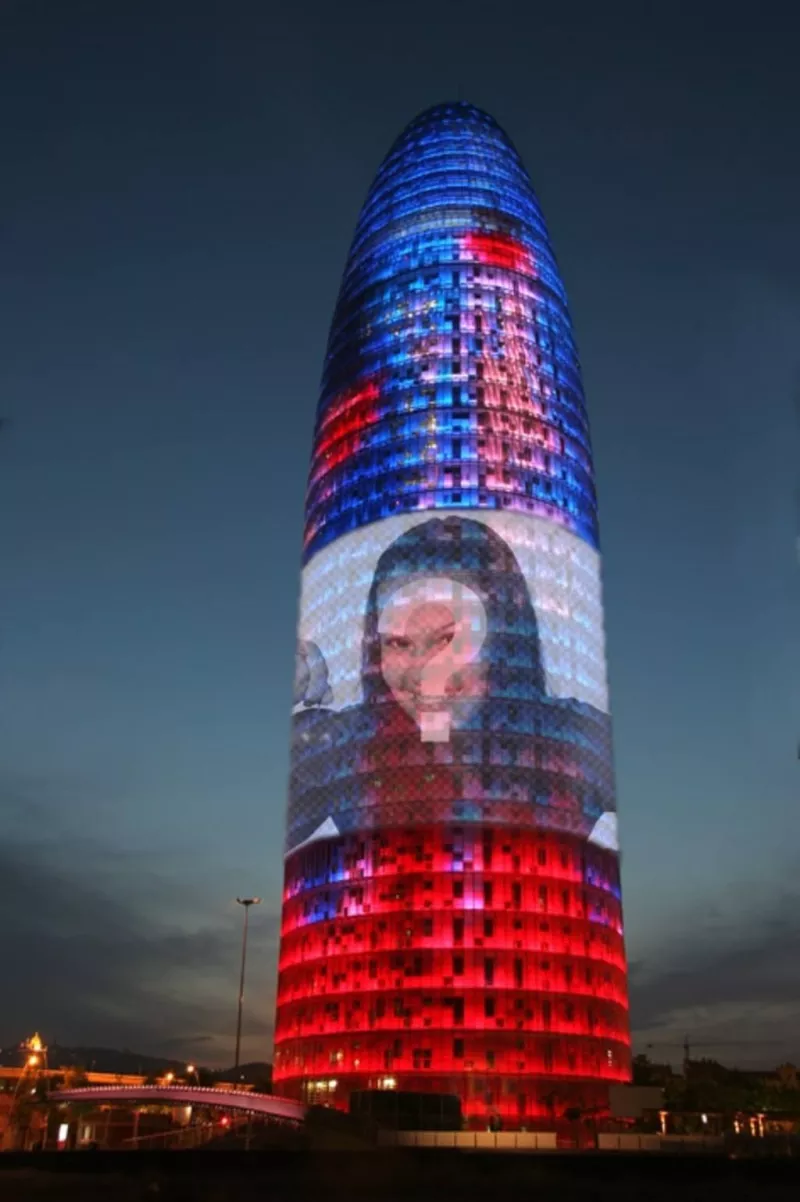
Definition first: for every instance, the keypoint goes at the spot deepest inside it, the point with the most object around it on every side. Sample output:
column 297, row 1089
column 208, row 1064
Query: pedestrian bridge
column 187, row 1095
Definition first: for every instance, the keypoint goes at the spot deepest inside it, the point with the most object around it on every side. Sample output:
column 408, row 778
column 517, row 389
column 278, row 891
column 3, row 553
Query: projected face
column 431, row 631
column 451, row 669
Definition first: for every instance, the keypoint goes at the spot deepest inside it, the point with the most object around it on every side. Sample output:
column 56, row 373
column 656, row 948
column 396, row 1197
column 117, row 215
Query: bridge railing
column 188, row 1095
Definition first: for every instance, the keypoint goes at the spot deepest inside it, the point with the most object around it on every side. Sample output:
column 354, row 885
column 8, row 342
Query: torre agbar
column 451, row 909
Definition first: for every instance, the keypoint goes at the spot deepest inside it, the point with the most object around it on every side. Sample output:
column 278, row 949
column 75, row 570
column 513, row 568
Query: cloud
column 112, row 948
column 96, row 963
column 733, row 982
column 189, row 1041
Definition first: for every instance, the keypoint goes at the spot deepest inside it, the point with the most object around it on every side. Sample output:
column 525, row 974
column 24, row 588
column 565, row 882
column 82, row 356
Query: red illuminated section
column 340, row 436
column 483, row 962
column 343, row 425
column 498, row 250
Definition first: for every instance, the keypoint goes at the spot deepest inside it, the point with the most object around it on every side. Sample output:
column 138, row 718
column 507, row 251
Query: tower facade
column 451, row 914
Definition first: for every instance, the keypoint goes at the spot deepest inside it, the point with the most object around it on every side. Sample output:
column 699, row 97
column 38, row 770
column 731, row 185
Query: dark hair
column 470, row 553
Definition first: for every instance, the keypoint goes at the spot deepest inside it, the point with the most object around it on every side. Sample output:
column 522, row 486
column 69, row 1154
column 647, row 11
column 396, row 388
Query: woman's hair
column 471, row 554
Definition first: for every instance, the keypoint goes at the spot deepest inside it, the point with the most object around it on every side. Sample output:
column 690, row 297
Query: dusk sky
column 180, row 185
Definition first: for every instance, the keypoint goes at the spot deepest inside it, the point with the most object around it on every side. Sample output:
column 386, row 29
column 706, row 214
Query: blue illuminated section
column 451, row 378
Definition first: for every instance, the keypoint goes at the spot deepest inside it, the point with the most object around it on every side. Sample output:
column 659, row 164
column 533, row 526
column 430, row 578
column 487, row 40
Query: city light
column 324, row 1086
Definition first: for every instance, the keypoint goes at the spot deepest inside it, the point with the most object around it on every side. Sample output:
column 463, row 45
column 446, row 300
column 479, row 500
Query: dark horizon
column 182, row 187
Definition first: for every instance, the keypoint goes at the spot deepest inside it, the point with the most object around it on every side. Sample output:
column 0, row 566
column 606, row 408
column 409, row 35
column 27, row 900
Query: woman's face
column 431, row 631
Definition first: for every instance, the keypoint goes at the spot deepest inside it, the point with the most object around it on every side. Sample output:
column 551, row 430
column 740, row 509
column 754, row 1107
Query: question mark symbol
column 435, row 628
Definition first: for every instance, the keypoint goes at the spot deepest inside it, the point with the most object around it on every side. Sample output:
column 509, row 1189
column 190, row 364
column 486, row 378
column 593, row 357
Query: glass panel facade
column 452, row 916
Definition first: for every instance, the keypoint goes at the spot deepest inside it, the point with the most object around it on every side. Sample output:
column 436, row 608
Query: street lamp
column 247, row 902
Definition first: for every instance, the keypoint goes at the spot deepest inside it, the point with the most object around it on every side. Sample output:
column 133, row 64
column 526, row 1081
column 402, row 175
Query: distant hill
column 112, row 1060
column 99, row 1060
column 257, row 1073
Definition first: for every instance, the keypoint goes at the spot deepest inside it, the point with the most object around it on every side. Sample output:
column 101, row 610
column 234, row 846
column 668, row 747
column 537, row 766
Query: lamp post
column 247, row 902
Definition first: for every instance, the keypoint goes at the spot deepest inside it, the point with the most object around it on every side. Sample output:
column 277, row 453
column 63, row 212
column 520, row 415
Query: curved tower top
column 416, row 342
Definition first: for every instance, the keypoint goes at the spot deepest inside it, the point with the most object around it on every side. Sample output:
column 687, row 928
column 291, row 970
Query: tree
column 642, row 1070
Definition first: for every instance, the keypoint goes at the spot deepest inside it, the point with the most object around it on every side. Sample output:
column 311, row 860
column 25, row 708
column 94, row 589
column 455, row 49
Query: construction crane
column 720, row 1043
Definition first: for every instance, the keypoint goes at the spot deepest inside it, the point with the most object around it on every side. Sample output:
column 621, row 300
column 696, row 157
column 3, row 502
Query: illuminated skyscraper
column 451, row 915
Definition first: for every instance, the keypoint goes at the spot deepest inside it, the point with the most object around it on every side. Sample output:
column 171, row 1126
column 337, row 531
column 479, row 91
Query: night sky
column 180, row 185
